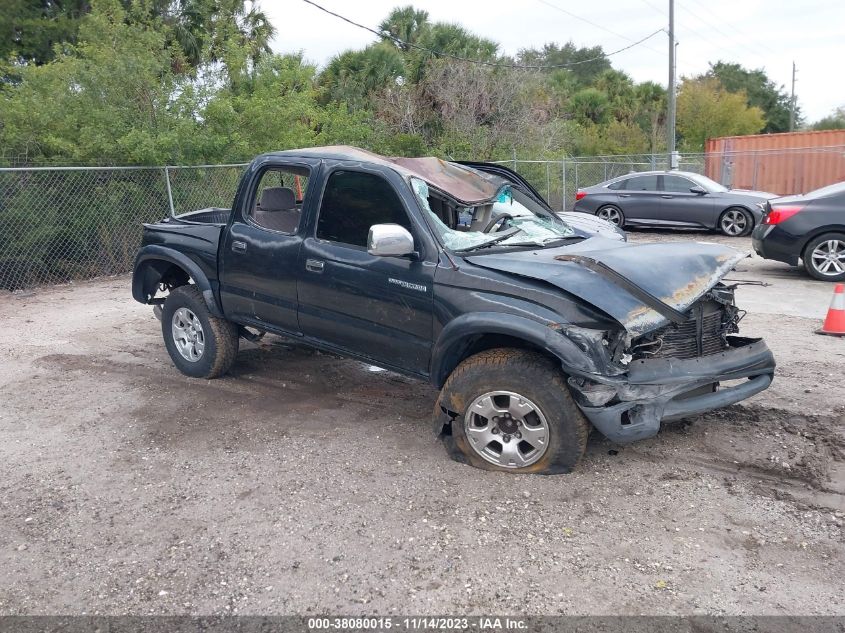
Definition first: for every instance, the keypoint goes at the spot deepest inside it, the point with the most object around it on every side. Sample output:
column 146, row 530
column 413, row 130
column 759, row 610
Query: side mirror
column 699, row 190
column 389, row 240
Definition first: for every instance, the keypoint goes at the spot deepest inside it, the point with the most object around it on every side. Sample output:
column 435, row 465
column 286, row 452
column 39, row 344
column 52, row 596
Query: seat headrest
column 277, row 199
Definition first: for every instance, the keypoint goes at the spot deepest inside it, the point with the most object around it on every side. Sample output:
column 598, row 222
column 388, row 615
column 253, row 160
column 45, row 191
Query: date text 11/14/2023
column 416, row 623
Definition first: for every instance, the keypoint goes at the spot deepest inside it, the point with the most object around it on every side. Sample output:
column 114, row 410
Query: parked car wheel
column 511, row 410
column 612, row 214
column 199, row 344
column 824, row 257
column 736, row 222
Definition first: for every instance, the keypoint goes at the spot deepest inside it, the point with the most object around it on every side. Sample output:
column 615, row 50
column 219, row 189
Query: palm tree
column 406, row 24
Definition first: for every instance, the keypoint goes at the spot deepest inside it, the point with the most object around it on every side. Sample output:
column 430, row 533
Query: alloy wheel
column 611, row 214
column 187, row 334
column 828, row 258
column 506, row 429
column 734, row 222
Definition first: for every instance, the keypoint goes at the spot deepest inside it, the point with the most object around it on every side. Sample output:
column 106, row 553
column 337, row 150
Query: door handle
column 314, row 265
column 238, row 246
column 624, row 195
column 670, row 197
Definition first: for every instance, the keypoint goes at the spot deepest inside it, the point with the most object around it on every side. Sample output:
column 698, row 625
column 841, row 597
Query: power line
column 726, row 36
column 762, row 47
column 591, row 23
column 481, row 62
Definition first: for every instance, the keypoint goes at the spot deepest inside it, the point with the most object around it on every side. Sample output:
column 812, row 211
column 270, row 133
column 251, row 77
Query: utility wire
column 591, row 23
column 481, row 62
column 759, row 45
column 730, row 38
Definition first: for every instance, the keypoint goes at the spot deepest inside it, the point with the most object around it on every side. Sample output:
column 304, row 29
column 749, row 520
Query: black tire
column 611, row 209
column 530, row 375
column 811, row 266
column 749, row 222
column 220, row 337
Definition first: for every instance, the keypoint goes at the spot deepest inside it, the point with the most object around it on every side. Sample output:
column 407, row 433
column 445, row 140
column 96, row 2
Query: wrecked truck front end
column 677, row 371
column 677, row 352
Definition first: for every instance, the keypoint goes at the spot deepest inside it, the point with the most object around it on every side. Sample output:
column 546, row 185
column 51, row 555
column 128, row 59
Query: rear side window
column 352, row 202
column 278, row 198
column 619, row 184
column 677, row 184
column 642, row 183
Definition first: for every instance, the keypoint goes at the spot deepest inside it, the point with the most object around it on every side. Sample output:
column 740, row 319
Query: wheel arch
column 155, row 264
column 818, row 232
column 470, row 334
column 737, row 205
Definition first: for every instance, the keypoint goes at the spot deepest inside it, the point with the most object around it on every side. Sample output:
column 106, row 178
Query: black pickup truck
column 462, row 275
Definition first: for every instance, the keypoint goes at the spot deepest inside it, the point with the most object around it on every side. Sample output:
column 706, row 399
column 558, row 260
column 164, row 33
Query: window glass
column 352, row 202
column 619, row 184
column 278, row 198
column 642, row 183
column 526, row 223
column 677, row 184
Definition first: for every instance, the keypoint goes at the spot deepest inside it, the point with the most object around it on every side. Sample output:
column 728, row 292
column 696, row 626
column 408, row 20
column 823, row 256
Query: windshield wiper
column 499, row 238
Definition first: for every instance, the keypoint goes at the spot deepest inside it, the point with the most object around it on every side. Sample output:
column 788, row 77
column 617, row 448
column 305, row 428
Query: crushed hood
column 618, row 278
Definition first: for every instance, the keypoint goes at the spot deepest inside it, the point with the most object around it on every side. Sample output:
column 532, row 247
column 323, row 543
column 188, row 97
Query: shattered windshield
column 512, row 218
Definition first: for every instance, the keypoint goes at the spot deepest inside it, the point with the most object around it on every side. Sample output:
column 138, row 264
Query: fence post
column 514, row 159
column 563, row 185
column 169, row 191
column 548, row 183
column 576, row 175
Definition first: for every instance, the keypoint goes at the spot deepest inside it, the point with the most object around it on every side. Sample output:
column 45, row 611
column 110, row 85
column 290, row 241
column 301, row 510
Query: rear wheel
column 200, row 345
column 824, row 257
column 612, row 214
column 511, row 410
column 736, row 222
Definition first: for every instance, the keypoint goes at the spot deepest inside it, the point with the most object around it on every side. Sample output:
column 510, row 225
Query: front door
column 261, row 249
column 379, row 308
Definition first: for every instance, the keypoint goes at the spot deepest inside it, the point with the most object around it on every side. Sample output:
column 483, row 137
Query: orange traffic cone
column 834, row 324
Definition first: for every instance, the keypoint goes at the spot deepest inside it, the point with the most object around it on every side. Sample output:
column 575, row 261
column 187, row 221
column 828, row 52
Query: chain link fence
column 64, row 224
column 59, row 224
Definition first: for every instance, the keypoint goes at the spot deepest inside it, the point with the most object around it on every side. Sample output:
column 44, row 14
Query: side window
column 677, row 184
column 619, row 184
column 352, row 202
column 642, row 183
column 278, row 198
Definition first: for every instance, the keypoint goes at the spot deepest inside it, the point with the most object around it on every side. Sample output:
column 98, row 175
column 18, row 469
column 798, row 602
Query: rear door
column 639, row 199
column 379, row 308
column 682, row 207
column 260, row 251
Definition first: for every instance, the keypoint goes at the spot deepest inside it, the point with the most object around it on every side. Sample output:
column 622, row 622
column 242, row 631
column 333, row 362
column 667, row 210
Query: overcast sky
column 767, row 34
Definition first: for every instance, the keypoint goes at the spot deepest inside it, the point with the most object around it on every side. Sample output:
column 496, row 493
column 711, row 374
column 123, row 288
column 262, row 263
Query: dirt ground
column 305, row 483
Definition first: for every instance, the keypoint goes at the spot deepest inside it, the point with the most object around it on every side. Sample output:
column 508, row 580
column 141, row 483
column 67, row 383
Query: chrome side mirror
column 389, row 240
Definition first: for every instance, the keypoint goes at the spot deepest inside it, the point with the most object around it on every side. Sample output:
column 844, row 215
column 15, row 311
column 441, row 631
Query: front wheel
column 511, row 410
column 736, row 222
column 199, row 344
column 824, row 257
column 612, row 214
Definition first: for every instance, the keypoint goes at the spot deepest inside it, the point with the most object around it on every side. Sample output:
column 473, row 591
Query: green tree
column 834, row 121
column 760, row 91
column 406, row 24
column 30, row 29
column 707, row 110
column 584, row 64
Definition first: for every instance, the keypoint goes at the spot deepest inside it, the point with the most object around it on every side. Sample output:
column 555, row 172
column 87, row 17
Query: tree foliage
column 760, row 91
column 707, row 110
column 182, row 81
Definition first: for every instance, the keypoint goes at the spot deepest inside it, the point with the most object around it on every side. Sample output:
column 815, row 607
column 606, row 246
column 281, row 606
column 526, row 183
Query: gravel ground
column 306, row 483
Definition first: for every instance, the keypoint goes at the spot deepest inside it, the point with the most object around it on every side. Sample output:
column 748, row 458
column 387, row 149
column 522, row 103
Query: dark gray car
column 673, row 199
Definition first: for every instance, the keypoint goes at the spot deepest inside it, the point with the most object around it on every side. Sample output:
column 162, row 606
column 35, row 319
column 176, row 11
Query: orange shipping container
column 792, row 162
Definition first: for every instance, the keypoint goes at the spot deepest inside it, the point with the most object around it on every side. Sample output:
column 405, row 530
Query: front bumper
column 669, row 389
